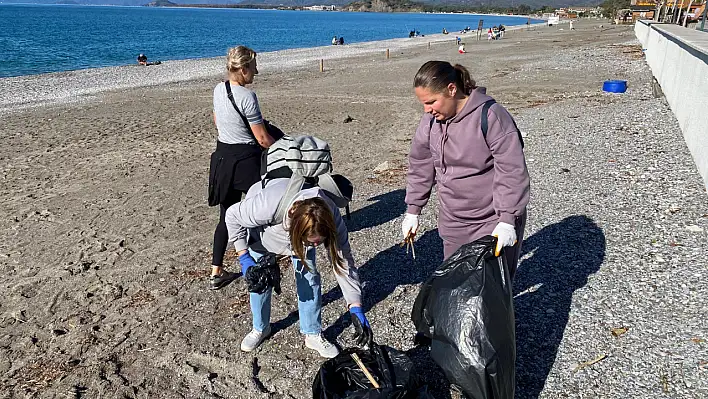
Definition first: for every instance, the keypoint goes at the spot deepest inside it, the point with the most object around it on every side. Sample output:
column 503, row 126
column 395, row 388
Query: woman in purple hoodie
column 482, row 180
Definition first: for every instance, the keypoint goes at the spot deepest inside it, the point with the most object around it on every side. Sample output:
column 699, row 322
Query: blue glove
column 359, row 313
column 246, row 261
column 362, row 330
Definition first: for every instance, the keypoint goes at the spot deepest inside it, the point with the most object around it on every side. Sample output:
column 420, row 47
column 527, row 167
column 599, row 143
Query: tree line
column 407, row 5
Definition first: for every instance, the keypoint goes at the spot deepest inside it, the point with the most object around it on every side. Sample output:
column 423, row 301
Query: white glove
column 409, row 225
column 506, row 236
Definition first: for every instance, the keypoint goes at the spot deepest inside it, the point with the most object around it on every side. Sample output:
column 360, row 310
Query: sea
column 36, row 39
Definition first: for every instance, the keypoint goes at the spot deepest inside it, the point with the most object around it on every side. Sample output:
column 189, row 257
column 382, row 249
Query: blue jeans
column 309, row 296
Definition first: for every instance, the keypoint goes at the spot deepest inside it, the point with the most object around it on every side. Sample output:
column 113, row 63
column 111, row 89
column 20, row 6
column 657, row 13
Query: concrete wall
column 678, row 58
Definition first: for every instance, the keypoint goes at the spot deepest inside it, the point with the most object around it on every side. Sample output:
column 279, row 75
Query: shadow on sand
column 385, row 207
column 556, row 261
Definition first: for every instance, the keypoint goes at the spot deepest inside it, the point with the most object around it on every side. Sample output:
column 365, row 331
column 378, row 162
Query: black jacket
column 234, row 168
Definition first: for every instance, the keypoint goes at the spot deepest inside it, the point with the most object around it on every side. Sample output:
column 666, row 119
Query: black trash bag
column 341, row 378
column 265, row 274
column 466, row 311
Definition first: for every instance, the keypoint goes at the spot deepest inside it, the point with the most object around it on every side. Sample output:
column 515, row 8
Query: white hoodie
column 255, row 214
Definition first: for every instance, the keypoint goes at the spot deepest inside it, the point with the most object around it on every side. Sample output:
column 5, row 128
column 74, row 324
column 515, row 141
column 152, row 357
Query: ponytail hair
column 312, row 217
column 238, row 58
column 437, row 75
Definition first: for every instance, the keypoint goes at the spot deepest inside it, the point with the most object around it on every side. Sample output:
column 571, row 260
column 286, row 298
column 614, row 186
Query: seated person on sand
column 143, row 60
column 335, row 41
column 461, row 49
column 341, row 40
column 444, row 31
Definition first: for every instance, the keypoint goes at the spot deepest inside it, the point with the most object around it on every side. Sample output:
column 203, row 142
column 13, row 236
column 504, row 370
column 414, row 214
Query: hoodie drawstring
column 443, row 140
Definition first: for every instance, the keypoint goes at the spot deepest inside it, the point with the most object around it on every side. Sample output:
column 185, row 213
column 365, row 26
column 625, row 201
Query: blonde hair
column 312, row 217
column 238, row 58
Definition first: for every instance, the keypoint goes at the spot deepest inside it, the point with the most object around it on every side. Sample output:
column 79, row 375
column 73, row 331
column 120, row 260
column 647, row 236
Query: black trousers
column 232, row 171
column 221, row 234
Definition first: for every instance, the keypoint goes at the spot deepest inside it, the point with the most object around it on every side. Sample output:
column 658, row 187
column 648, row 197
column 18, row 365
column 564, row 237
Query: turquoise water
column 50, row 38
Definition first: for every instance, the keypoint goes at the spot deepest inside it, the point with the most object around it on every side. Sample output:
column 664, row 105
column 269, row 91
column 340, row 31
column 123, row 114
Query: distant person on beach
column 482, row 181
column 444, row 31
column 502, row 29
column 571, row 25
column 335, row 41
column 495, row 32
column 236, row 163
column 312, row 221
column 461, row 49
column 341, row 40
column 143, row 60
column 458, row 40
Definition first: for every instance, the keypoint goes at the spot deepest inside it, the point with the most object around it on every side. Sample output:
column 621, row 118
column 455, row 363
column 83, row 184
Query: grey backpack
column 307, row 162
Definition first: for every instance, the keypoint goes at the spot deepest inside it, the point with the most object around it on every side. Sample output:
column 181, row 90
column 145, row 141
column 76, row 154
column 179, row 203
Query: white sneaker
column 254, row 338
column 321, row 345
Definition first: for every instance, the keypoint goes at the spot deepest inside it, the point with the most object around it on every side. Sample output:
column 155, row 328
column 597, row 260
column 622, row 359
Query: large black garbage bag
column 466, row 310
column 341, row 378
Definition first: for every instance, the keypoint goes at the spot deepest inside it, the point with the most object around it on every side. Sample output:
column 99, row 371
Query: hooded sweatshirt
column 255, row 214
column 479, row 181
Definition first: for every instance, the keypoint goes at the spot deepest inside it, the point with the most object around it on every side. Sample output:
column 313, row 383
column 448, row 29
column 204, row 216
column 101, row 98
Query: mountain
column 161, row 3
column 120, row 2
column 534, row 4
column 376, row 4
column 384, row 6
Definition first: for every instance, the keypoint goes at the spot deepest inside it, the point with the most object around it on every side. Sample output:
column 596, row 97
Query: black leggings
column 221, row 234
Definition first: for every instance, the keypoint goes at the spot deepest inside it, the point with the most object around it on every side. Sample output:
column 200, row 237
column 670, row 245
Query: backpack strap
column 230, row 95
column 282, row 172
column 485, row 117
column 485, row 121
column 294, row 186
column 326, row 183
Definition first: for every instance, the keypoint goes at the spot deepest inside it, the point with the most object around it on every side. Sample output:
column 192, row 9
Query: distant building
column 642, row 9
column 320, row 8
column 676, row 10
column 584, row 11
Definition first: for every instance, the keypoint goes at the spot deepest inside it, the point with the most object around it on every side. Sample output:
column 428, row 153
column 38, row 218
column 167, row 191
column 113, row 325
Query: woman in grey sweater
column 312, row 220
column 236, row 163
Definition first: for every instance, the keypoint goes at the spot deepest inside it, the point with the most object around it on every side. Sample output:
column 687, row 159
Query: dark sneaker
column 222, row 280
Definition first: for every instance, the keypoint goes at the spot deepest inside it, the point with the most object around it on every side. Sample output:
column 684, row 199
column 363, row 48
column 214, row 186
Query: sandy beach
column 83, row 86
column 106, row 233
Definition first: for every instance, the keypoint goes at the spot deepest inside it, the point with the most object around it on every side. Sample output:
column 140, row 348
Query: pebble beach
column 105, row 231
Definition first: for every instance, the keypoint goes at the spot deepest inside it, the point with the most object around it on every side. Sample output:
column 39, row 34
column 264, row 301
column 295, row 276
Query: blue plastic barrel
column 615, row 86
